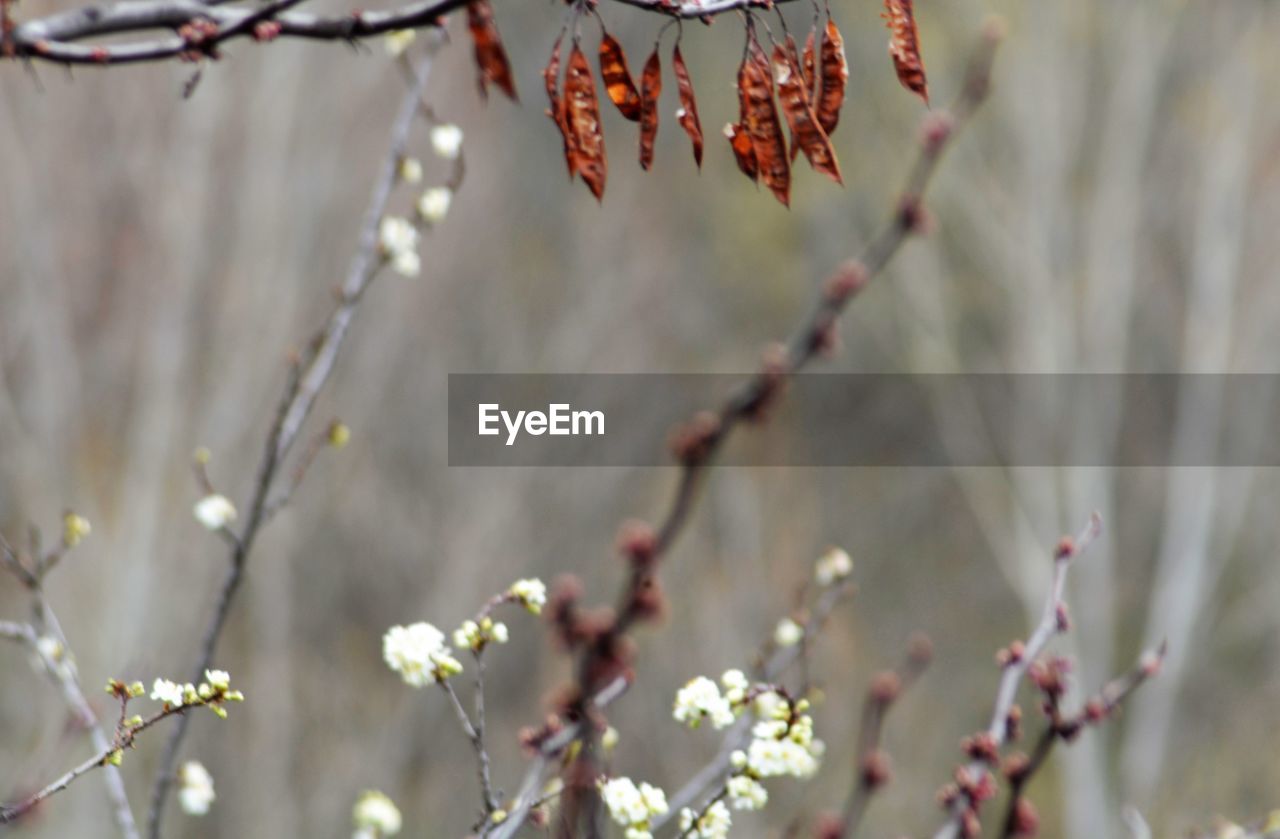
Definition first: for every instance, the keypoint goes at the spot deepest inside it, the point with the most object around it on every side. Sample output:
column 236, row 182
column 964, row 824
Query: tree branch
column 307, row 376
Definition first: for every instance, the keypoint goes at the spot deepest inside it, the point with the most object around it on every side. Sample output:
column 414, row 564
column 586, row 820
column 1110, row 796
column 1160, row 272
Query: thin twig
column 477, row 744
column 1014, row 670
column 305, row 380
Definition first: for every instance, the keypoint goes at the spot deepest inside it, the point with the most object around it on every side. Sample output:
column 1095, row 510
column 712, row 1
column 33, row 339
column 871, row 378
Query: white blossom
column 215, row 511
column 397, row 41
column 532, row 594
column 833, row 566
column 418, row 653
column 218, row 679
column 768, row 758
column 714, row 824
column 446, row 139
column 700, row 699
column 632, row 806
column 398, row 241
column 195, row 790
column 788, row 633
column 735, row 686
column 410, row 170
column 433, row 206
column 475, row 636
column 375, row 815
column 746, row 793
column 74, row 529
column 170, row 693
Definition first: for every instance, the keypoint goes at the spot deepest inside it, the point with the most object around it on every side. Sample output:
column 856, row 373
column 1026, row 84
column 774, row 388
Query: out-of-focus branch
column 201, row 27
column 697, row 444
column 307, row 376
column 1052, row 620
column 63, row 672
column 871, row 767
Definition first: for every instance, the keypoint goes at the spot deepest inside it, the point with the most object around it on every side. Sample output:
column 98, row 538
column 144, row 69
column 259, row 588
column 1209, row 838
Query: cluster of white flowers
column 418, row 653
column 215, row 511
column 375, row 816
column 398, row 241
column 52, row 653
column 633, row 806
column 446, row 140
column 713, row 824
column 195, row 788
column 832, row 567
column 434, row 203
column 215, row 689
column 747, row 793
column 788, row 633
column 476, row 636
column 532, row 594
column 699, row 700
column 782, row 742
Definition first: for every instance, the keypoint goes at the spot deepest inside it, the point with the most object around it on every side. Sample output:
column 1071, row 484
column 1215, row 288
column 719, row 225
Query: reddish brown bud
column 828, row 825
column 1011, row 654
column 970, row 827
column 947, row 796
column 1013, row 723
column 1062, row 617
column 935, row 130
column 1095, row 711
column 876, row 770
column 1026, row 821
column 885, row 687
column 1066, row 548
column 691, row 442
column 850, row 277
column 1015, row 766
column 981, row 746
column 266, row 30
column 920, row 649
column 638, row 543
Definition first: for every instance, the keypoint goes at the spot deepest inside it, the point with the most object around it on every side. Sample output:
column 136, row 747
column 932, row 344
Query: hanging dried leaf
column 793, row 53
column 650, row 88
column 835, row 75
column 582, row 112
column 904, row 47
column 743, row 151
column 763, row 125
column 806, row 134
column 688, row 113
column 551, row 75
column 491, row 57
column 616, row 78
column 808, row 64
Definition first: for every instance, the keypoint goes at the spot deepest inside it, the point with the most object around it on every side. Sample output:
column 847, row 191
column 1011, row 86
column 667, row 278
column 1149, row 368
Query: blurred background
column 1112, row 209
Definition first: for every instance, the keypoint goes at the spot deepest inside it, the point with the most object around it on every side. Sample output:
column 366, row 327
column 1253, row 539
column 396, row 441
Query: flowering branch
column 201, row 27
column 602, row 649
column 211, row 695
column 307, row 375
column 49, row 644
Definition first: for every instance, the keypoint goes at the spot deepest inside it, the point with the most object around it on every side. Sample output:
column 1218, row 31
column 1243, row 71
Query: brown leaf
column 835, row 75
column 491, row 57
column 551, row 75
column 616, row 78
column 650, row 88
column 688, row 113
column 807, row 88
column 582, row 113
column 807, row 65
column 806, row 133
column 762, row 124
column 743, row 151
column 904, row 47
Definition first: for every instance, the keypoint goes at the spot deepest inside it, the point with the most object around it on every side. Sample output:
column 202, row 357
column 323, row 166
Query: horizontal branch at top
column 56, row 38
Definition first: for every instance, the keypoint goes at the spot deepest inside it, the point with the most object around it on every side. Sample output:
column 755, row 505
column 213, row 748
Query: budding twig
column 305, row 380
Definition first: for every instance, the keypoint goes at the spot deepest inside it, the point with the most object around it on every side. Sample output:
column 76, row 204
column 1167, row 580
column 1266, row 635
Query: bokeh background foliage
column 1112, row 209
